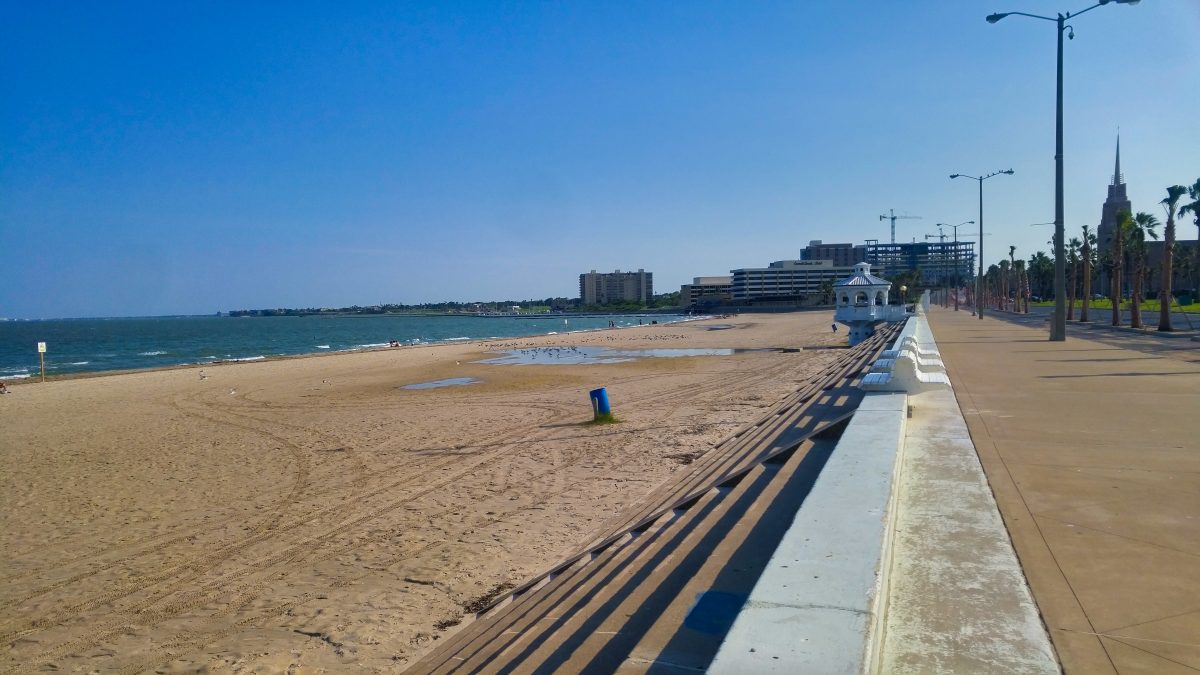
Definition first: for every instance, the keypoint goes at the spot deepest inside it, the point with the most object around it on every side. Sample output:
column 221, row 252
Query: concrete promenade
column 1092, row 449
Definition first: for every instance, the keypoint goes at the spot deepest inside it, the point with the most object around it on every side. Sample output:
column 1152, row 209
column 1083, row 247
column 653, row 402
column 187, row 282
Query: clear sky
column 174, row 157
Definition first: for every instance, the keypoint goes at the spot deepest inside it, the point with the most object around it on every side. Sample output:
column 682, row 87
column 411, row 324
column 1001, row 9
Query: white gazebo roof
column 862, row 277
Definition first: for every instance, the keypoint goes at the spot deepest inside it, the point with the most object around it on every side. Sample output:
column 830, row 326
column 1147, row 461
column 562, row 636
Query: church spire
column 1118, row 179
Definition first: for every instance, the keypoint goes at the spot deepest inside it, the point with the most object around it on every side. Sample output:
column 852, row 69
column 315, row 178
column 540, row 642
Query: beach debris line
column 476, row 605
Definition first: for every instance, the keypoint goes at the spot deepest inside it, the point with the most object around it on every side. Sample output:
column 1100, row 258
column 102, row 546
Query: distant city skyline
column 195, row 158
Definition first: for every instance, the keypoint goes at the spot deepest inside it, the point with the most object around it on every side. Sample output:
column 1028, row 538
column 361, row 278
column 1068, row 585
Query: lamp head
column 993, row 18
column 1009, row 172
column 955, row 175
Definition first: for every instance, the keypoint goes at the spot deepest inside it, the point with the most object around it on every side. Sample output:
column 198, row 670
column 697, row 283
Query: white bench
column 904, row 374
column 909, row 366
column 926, row 360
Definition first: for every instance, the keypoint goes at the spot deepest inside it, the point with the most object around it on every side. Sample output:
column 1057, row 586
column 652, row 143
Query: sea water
column 97, row 345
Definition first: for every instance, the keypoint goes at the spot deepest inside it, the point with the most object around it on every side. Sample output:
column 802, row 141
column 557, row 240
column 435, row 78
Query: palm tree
column 1073, row 245
column 1164, row 294
column 1089, row 240
column 1002, row 296
column 1124, row 223
column 1041, row 272
column 1183, row 263
column 1142, row 226
column 1012, row 265
column 991, row 282
column 1194, row 208
column 1022, row 287
column 826, row 291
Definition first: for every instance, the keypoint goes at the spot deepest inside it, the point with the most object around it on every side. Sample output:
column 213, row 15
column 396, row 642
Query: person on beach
column 3, row 388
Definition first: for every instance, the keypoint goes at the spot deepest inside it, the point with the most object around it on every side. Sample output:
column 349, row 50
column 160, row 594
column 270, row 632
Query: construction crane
column 893, row 217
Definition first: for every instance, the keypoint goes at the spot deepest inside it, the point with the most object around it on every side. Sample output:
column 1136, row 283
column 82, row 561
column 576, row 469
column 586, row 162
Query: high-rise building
column 941, row 262
column 607, row 287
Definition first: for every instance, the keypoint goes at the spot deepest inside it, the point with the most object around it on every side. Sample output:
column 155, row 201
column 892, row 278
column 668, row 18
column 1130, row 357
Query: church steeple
column 1117, row 201
column 1118, row 179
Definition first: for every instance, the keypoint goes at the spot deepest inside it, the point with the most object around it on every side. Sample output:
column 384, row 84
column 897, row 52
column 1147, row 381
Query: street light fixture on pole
column 1058, row 326
column 955, row 244
column 979, row 279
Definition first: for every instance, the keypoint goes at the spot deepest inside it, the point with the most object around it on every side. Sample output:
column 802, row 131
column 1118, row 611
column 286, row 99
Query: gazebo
column 862, row 302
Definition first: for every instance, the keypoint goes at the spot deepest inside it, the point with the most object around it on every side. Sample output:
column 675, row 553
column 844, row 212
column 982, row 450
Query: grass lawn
column 1147, row 305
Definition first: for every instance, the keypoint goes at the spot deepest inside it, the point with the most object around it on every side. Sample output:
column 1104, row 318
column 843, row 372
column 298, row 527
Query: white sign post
column 42, row 358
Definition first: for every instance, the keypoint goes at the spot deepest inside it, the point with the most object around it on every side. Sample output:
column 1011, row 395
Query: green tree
column 1142, row 226
column 1174, row 193
column 1088, row 255
column 1012, row 263
column 991, row 285
column 1041, row 270
column 1073, row 245
column 826, row 291
column 1022, row 287
column 1193, row 208
column 1002, row 291
column 1117, row 254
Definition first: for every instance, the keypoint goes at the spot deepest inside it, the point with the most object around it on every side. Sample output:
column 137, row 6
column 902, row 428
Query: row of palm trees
column 1010, row 284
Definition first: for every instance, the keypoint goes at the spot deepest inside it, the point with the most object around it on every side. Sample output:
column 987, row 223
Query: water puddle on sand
column 449, row 382
column 600, row 355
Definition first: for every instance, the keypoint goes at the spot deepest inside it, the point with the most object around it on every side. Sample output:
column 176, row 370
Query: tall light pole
column 979, row 279
column 955, row 244
column 1058, row 326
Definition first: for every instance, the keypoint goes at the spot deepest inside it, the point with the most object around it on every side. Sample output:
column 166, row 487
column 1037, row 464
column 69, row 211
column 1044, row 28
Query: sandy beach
column 311, row 514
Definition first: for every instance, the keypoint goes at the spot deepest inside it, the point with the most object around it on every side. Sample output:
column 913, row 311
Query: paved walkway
column 1092, row 449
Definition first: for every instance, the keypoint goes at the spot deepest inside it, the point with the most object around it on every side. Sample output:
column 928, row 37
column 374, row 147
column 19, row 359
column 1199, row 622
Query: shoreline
column 34, row 378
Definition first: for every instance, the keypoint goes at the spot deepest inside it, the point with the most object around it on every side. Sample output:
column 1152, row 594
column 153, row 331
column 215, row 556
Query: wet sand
column 314, row 514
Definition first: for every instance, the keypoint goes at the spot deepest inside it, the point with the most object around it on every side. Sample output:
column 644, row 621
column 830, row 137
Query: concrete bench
column 904, row 376
column 926, row 360
column 912, row 365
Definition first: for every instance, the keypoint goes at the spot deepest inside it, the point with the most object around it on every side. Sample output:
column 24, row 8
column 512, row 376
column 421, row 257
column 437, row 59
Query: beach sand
column 311, row 514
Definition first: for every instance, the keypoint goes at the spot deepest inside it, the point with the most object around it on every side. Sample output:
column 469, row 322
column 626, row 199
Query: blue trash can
column 600, row 402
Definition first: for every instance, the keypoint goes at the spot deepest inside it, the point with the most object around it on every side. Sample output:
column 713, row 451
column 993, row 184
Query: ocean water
column 97, row 345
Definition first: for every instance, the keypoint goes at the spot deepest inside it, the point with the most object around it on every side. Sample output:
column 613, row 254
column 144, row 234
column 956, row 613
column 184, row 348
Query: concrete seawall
column 898, row 560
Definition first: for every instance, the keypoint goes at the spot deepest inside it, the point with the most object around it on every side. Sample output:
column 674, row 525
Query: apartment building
column 602, row 288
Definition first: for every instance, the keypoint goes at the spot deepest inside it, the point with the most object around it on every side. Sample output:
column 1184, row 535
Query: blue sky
column 163, row 158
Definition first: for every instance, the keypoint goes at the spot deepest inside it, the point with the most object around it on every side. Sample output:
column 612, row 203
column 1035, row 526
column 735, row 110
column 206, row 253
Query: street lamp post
column 979, row 279
column 956, row 266
column 1058, row 326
